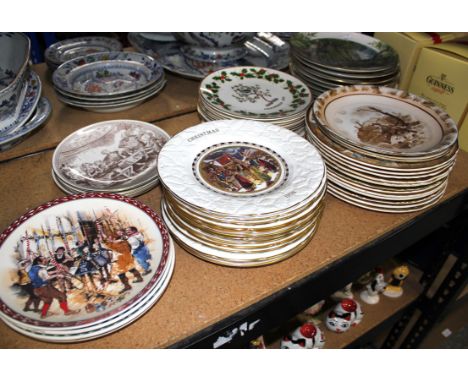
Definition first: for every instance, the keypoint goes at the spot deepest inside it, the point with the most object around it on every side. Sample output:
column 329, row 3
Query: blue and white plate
column 65, row 50
column 43, row 110
column 32, row 93
column 172, row 59
column 107, row 74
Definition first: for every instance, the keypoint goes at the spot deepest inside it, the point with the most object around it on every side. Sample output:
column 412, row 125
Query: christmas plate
column 111, row 155
column 292, row 171
column 69, row 49
column 255, row 92
column 385, row 120
column 60, row 262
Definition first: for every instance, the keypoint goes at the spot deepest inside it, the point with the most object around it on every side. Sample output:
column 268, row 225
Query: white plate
column 296, row 167
column 110, row 155
column 248, row 91
column 386, row 120
column 63, row 223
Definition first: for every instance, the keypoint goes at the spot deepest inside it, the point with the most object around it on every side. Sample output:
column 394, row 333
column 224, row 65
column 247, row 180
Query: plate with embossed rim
column 101, row 74
column 344, row 52
column 69, row 49
column 255, row 92
column 94, row 330
column 43, row 110
column 386, row 121
column 30, row 248
column 32, row 95
column 285, row 168
column 110, row 155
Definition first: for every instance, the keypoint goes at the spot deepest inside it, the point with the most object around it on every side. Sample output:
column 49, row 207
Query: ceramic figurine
column 315, row 309
column 394, row 287
column 306, row 336
column 371, row 294
column 366, row 278
column 257, row 343
column 345, row 314
column 346, row 292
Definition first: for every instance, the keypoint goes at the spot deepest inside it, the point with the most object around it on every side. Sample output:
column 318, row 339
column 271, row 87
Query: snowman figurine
column 371, row 294
column 306, row 336
column 345, row 314
column 346, row 292
column 394, row 287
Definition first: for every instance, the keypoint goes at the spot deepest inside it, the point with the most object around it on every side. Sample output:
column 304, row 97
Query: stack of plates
column 108, row 82
column 327, row 60
column 385, row 150
column 65, row 50
column 32, row 111
column 242, row 193
column 254, row 93
column 118, row 156
column 68, row 271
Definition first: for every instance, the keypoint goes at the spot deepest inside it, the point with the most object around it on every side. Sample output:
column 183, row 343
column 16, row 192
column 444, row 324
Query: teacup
column 14, row 59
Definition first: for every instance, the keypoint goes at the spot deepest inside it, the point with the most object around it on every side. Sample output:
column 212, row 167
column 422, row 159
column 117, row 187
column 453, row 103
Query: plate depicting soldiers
column 109, row 154
column 242, row 169
column 78, row 265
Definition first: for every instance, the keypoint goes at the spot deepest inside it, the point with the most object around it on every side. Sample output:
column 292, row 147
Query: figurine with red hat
column 306, row 336
column 371, row 294
column 345, row 314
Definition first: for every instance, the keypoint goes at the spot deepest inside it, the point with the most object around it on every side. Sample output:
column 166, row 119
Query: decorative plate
column 32, row 94
column 385, row 120
column 107, row 74
column 43, row 110
column 346, row 52
column 67, row 263
column 110, row 154
column 66, row 50
column 255, row 92
column 239, row 167
column 158, row 36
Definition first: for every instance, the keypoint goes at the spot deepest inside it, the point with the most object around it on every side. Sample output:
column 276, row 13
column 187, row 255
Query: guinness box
column 409, row 45
column 463, row 134
column 441, row 75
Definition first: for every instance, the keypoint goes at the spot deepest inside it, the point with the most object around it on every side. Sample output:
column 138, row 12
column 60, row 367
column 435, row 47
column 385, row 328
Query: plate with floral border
column 249, row 91
column 55, row 260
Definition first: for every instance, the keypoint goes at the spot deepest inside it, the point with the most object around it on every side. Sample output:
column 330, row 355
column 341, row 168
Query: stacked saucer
column 108, row 82
column 328, row 60
column 70, row 273
column 257, row 94
column 385, row 150
column 65, row 50
column 119, row 156
column 243, row 194
column 22, row 109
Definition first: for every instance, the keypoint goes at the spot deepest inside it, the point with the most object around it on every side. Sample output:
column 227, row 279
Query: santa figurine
column 371, row 294
column 345, row 314
column 346, row 292
column 394, row 287
column 306, row 336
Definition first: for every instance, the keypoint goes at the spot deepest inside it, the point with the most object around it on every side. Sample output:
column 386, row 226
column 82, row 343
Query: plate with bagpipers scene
column 81, row 261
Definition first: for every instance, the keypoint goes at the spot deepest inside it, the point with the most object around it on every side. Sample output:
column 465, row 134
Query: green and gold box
column 409, row 45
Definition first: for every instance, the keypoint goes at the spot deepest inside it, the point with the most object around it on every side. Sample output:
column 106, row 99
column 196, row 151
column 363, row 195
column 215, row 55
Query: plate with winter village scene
column 112, row 156
column 75, row 264
column 385, row 120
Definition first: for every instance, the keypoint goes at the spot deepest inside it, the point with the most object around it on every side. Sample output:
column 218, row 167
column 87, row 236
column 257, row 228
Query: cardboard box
column 463, row 135
column 408, row 46
column 441, row 76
